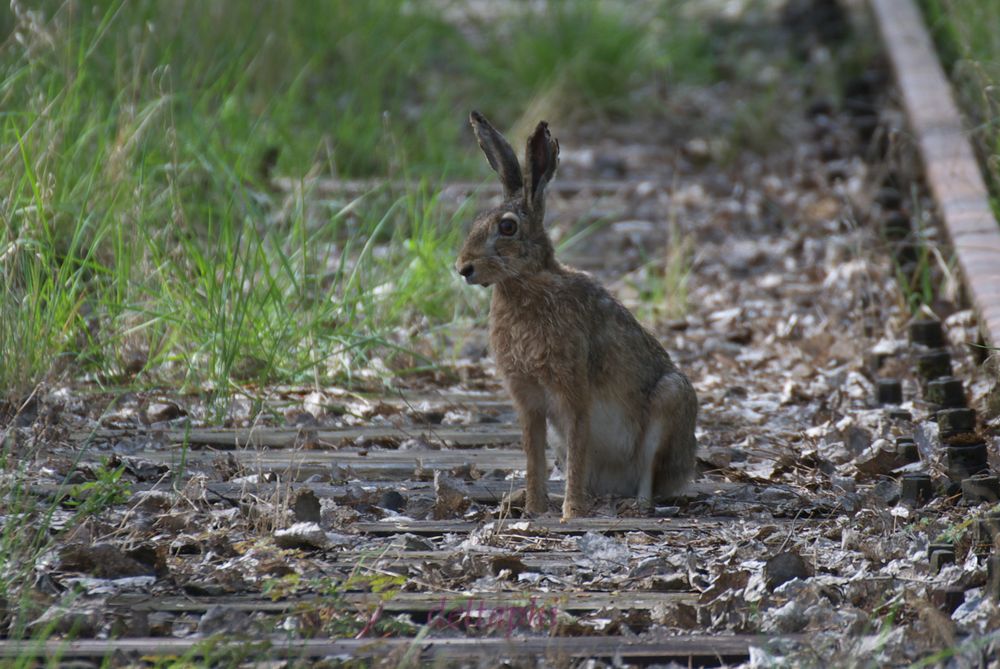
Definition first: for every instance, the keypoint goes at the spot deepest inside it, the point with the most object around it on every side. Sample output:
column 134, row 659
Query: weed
column 661, row 285
column 142, row 242
column 332, row 613
column 106, row 490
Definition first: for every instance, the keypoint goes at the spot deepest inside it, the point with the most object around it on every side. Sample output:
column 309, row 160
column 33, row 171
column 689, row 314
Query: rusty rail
column 950, row 166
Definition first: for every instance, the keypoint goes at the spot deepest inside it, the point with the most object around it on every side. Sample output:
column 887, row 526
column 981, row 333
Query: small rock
column 102, row 560
column 301, row 419
column 339, row 515
column 415, row 444
column 651, row 566
column 134, row 360
column 144, row 470
column 137, row 624
column 301, row 535
column 419, row 507
column 412, row 542
column 204, row 588
column 844, row 483
column 739, row 334
column 513, row 502
column 239, row 412
column 467, row 472
column 775, row 495
column 153, row 556
column 783, row 567
column 450, row 498
column 600, row 548
column 879, row 459
column 392, row 500
column 698, row 150
column 850, row 503
column 306, row 507
column 155, row 501
column 673, row 582
column 510, row 563
column 339, row 540
column 432, row 417
column 885, row 492
column 77, row 618
column 637, row 229
column 318, row 404
column 159, row 412
column 222, row 620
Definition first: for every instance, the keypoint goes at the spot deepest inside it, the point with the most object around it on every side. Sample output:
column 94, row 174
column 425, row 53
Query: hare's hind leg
column 651, row 440
column 667, row 449
column 529, row 398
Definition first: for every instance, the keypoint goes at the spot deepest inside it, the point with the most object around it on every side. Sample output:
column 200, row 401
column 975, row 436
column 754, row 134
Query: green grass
column 969, row 43
column 585, row 59
column 141, row 242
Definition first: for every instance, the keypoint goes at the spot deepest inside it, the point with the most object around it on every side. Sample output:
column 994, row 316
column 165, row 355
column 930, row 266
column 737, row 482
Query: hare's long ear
column 541, row 159
column 499, row 152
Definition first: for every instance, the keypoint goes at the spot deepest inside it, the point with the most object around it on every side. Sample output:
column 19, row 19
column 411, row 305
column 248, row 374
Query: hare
column 570, row 353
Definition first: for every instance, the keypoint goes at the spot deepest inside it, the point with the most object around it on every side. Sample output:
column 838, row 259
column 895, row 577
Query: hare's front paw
column 572, row 508
column 536, row 503
column 523, row 502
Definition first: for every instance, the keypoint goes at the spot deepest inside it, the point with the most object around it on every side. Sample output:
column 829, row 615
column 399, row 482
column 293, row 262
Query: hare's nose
column 467, row 270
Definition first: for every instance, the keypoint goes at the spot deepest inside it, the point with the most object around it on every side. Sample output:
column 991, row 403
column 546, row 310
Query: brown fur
column 571, row 354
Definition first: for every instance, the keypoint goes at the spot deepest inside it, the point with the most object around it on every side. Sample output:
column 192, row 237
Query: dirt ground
column 374, row 511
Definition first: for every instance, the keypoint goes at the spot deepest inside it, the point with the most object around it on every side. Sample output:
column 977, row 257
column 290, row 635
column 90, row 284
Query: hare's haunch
column 572, row 356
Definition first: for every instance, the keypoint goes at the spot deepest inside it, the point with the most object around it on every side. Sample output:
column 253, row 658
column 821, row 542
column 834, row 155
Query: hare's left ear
column 540, row 160
column 498, row 152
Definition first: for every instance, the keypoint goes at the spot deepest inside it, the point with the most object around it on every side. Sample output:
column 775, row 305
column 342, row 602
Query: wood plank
column 554, row 525
column 489, row 490
column 481, row 490
column 713, row 648
column 349, row 462
column 416, row 602
column 419, row 401
column 951, row 170
column 232, row 439
column 399, row 556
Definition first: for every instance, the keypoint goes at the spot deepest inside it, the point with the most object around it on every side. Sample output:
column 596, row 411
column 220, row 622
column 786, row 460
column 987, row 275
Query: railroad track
column 403, row 551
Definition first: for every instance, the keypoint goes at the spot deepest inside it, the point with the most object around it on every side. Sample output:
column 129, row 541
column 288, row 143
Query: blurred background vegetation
column 142, row 240
column 145, row 242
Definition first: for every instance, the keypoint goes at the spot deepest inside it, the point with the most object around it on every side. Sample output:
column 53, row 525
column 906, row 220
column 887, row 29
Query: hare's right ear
column 541, row 159
column 499, row 152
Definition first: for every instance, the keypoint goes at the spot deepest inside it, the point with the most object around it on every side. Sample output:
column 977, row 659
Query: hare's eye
column 507, row 226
